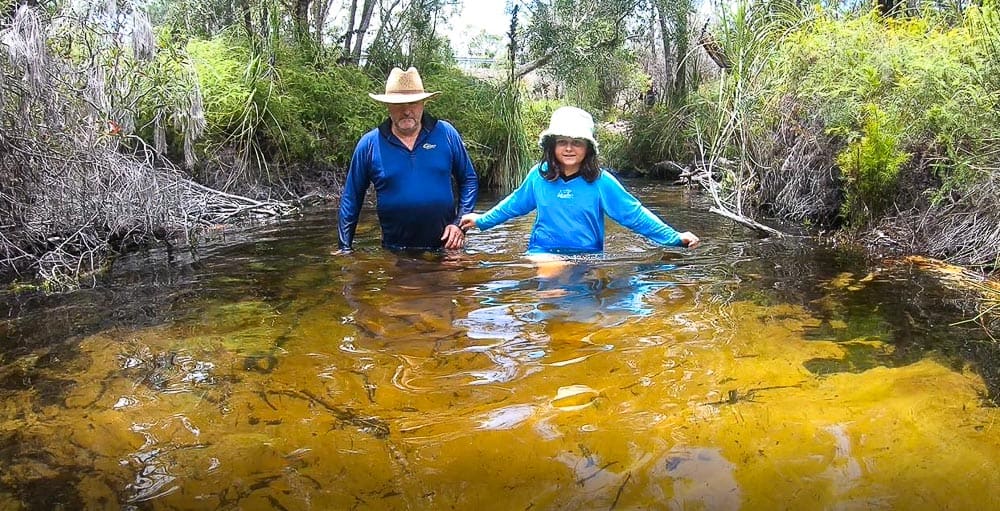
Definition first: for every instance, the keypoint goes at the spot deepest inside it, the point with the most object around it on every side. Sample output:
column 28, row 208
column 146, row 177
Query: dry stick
column 9, row 247
column 725, row 127
column 720, row 209
column 745, row 221
column 620, row 490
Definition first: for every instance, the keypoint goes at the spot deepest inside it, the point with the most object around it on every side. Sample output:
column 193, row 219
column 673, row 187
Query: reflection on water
column 262, row 373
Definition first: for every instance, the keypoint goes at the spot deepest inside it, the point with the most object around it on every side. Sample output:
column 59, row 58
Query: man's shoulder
column 368, row 138
column 444, row 127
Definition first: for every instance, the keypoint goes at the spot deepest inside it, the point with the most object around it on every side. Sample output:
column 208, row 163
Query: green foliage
column 221, row 64
column 583, row 44
column 411, row 38
column 730, row 119
column 869, row 119
column 169, row 114
column 237, row 84
column 295, row 113
column 838, row 66
column 489, row 117
column 17, row 287
column 325, row 112
column 657, row 134
column 510, row 142
column 600, row 85
column 288, row 113
column 426, row 54
column 880, row 85
column 484, row 44
column 984, row 28
column 613, row 146
column 576, row 31
column 536, row 118
column 198, row 18
column 870, row 165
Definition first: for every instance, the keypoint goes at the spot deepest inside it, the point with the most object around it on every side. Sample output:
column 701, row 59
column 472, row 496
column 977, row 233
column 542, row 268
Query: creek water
column 260, row 372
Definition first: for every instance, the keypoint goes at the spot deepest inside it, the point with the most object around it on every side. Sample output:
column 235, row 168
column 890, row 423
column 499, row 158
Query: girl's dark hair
column 590, row 169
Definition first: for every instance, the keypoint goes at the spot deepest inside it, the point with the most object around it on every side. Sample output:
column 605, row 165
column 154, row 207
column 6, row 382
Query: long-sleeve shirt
column 570, row 216
column 414, row 194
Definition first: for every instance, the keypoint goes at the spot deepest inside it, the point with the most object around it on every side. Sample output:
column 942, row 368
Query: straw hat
column 570, row 121
column 403, row 87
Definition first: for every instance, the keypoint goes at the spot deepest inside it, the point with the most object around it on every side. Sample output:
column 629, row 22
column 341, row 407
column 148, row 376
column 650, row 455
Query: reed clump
column 858, row 121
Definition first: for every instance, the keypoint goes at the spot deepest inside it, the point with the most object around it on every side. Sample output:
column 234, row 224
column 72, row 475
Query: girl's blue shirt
column 570, row 214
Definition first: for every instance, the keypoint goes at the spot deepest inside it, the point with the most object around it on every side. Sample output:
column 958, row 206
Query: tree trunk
column 535, row 64
column 888, row 8
column 350, row 27
column 244, row 7
column 321, row 9
column 301, row 19
column 366, row 19
column 681, row 45
column 653, row 50
column 665, row 41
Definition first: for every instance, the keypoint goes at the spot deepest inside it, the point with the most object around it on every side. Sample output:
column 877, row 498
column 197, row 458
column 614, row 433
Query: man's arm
column 352, row 197
column 465, row 175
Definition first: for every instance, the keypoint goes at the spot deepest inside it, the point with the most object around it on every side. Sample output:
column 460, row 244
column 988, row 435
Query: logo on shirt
column 429, row 146
column 565, row 193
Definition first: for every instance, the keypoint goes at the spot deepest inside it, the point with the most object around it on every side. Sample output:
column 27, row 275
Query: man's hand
column 453, row 237
column 469, row 221
column 689, row 239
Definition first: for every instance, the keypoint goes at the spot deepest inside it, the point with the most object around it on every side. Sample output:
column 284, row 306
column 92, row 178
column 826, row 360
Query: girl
column 572, row 195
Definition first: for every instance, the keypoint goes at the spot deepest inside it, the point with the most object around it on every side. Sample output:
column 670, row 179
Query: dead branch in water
column 742, row 177
column 704, row 178
column 746, row 222
column 77, row 185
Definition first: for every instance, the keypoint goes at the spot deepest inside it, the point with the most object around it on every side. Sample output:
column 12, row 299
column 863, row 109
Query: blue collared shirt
column 413, row 188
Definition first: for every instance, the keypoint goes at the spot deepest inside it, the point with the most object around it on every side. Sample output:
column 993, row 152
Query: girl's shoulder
column 607, row 180
column 537, row 172
column 607, row 177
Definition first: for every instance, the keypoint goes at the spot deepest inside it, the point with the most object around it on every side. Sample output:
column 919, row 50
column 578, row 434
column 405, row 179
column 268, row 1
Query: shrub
column 870, row 165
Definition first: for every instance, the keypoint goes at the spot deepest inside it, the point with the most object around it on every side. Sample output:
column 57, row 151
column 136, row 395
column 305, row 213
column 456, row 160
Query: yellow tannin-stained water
column 733, row 378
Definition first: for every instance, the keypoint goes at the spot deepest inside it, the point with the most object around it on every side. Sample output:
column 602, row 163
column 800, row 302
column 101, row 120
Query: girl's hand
column 689, row 239
column 468, row 221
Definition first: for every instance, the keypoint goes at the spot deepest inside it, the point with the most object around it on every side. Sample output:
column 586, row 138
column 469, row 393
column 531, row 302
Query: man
column 411, row 159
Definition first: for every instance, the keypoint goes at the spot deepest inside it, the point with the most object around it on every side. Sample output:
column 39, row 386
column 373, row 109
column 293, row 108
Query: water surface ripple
column 257, row 371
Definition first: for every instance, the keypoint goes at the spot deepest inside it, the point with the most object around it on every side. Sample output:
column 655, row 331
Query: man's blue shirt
column 415, row 198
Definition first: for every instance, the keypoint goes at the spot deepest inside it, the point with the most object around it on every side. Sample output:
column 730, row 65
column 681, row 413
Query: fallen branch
column 747, row 222
column 703, row 176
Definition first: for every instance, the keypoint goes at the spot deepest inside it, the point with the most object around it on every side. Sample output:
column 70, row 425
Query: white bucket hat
column 403, row 87
column 570, row 121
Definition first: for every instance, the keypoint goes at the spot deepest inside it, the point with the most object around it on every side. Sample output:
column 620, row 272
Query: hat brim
column 557, row 133
column 398, row 99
